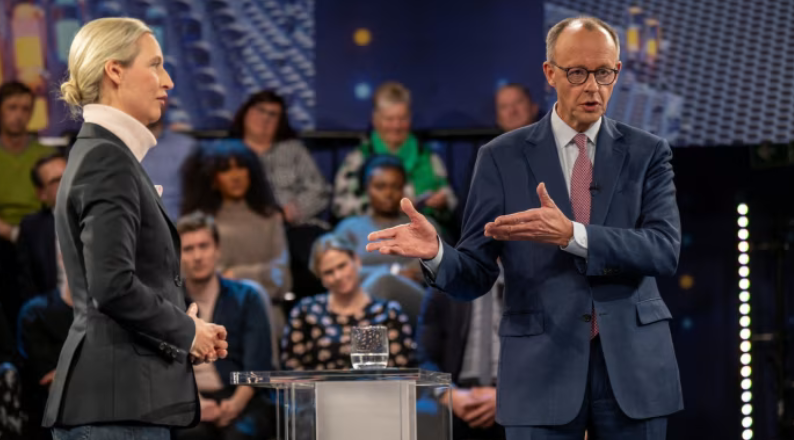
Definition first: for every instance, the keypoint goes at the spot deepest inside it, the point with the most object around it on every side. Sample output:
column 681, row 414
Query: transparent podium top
column 285, row 379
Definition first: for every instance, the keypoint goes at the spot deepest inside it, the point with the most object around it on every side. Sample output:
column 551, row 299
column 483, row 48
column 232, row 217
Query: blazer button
column 178, row 281
column 162, row 346
column 587, row 318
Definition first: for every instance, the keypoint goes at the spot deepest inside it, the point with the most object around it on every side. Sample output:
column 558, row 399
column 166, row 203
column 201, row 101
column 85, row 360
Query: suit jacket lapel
column 610, row 156
column 544, row 161
column 97, row 131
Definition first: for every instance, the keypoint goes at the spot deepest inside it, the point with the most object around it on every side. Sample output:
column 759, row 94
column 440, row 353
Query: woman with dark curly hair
column 224, row 179
column 298, row 185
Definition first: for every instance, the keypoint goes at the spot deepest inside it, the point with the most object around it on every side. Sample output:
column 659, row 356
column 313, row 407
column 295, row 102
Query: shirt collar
column 135, row 135
column 564, row 134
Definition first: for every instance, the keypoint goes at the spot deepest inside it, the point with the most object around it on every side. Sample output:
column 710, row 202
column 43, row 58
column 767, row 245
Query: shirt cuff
column 578, row 243
column 14, row 234
column 433, row 265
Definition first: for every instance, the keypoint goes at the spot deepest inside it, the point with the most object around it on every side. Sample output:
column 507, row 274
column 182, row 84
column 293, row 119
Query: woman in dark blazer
column 126, row 367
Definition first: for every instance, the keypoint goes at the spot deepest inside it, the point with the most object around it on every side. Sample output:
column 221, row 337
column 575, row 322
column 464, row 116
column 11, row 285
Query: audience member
column 297, row 183
column 427, row 185
column 461, row 338
column 44, row 322
column 163, row 162
column 226, row 180
column 384, row 179
column 299, row 187
column 515, row 107
column 227, row 411
column 318, row 330
column 36, row 244
column 19, row 151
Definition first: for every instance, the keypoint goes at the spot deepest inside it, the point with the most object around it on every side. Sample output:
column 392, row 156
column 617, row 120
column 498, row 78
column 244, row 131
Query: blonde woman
column 125, row 369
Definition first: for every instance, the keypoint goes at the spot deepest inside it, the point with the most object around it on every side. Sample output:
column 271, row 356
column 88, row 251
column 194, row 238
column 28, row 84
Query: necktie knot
column 581, row 141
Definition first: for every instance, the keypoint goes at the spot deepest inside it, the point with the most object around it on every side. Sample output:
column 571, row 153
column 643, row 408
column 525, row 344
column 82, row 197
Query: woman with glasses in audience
column 298, row 185
column 225, row 179
column 317, row 336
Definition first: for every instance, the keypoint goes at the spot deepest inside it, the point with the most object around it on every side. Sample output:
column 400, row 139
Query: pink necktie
column 581, row 178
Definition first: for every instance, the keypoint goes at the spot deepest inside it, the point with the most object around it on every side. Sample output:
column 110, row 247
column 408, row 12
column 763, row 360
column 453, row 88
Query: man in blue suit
column 582, row 211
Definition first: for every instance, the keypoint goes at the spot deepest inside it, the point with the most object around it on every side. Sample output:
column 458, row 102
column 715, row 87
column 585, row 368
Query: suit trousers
column 600, row 415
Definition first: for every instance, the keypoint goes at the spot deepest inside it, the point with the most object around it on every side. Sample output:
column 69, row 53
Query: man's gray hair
column 589, row 23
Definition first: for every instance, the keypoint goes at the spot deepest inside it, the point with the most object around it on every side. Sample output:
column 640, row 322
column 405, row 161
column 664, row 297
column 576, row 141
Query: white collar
column 135, row 135
column 564, row 134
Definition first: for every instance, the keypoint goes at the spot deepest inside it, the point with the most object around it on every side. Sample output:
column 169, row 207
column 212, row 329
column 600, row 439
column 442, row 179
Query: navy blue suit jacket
column 633, row 236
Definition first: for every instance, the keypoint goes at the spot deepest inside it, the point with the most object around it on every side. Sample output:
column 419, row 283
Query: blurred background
column 715, row 78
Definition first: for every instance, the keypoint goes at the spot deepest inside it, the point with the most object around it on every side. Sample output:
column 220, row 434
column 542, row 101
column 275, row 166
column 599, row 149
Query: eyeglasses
column 579, row 75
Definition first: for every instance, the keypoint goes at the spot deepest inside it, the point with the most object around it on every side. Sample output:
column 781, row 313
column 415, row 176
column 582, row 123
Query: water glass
column 370, row 347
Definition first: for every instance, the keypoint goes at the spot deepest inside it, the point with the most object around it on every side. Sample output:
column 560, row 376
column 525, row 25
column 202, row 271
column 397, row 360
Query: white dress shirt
column 131, row 131
column 568, row 153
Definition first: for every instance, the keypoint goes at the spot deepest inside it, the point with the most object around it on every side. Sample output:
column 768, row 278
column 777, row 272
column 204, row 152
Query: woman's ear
column 114, row 71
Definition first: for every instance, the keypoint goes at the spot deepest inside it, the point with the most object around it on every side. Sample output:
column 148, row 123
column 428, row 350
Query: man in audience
column 44, row 322
column 461, row 338
column 36, row 243
column 426, row 184
column 227, row 412
column 19, row 151
column 163, row 163
column 515, row 107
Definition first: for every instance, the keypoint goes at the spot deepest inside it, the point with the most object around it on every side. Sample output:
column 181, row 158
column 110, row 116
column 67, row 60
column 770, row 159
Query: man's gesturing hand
column 546, row 224
column 417, row 239
column 210, row 343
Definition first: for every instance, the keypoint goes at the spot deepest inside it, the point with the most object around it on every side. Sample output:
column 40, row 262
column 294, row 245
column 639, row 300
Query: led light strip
column 745, row 345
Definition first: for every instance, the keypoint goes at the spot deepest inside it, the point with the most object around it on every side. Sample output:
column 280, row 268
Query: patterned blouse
column 317, row 339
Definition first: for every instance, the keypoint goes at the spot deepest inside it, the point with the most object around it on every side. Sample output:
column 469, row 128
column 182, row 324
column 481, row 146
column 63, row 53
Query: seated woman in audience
column 298, row 185
column 317, row 336
column 384, row 179
column 226, row 180
column 427, row 185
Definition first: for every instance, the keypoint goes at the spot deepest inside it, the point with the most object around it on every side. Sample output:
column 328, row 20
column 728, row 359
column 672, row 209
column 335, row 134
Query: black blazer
column 126, row 357
column 38, row 273
column 442, row 333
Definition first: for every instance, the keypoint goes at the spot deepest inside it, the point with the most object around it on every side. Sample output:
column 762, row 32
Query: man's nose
column 591, row 85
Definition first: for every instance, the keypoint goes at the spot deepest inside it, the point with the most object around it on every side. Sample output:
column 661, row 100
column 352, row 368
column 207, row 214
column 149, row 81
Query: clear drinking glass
column 370, row 347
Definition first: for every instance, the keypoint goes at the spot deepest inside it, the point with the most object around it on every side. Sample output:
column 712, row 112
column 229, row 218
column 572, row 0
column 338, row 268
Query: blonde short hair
column 98, row 42
column 391, row 92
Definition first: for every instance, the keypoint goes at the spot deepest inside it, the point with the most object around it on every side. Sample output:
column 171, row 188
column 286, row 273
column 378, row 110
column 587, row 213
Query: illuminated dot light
column 362, row 37
column 744, row 320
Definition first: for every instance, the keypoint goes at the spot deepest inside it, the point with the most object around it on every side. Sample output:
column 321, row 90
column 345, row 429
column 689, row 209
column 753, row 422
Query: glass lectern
column 376, row 404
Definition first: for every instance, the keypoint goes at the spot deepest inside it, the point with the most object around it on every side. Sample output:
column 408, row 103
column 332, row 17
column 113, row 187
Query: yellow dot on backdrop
column 686, row 282
column 362, row 37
